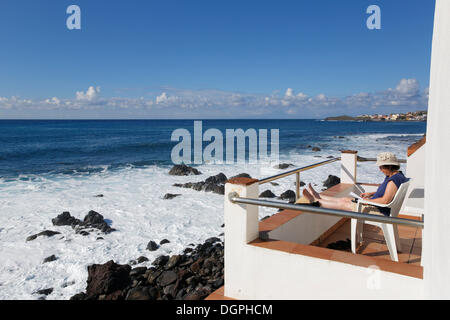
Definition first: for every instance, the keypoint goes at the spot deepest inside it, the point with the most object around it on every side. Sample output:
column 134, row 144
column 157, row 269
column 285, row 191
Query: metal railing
column 234, row 197
column 312, row 166
column 297, row 173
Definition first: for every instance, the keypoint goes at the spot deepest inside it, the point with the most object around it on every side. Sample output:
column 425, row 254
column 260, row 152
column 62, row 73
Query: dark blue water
column 84, row 146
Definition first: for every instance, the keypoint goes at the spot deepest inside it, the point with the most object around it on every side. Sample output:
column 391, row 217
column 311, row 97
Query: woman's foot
column 308, row 195
column 313, row 192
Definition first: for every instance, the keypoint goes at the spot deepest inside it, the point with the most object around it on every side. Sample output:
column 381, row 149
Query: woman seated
column 389, row 166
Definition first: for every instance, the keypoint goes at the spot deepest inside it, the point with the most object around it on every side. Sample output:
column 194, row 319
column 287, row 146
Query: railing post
column 349, row 160
column 241, row 227
column 297, row 185
column 241, row 221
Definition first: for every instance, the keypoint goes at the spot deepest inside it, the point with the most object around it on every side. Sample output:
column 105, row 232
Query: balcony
column 289, row 249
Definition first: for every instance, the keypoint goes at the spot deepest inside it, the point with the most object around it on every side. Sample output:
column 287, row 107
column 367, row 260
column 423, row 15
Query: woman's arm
column 389, row 193
column 367, row 195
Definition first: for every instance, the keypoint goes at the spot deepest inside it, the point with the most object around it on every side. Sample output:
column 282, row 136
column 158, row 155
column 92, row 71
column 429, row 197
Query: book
column 354, row 195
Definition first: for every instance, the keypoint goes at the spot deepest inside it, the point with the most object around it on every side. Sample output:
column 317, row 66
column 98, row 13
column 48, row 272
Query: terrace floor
column 374, row 244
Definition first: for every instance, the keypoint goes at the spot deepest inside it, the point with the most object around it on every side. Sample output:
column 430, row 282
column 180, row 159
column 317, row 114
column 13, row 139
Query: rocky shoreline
column 192, row 275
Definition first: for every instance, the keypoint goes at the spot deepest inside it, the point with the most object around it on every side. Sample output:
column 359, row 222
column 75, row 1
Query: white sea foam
column 133, row 204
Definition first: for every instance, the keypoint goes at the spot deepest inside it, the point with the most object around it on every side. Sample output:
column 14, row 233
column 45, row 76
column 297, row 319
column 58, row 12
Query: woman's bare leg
column 338, row 203
column 318, row 196
column 332, row 203
column 308, row 195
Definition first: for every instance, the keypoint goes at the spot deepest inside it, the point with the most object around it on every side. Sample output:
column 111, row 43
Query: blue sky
column 213, row 59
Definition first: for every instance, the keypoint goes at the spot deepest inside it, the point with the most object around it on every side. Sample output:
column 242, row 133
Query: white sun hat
column 386, row 159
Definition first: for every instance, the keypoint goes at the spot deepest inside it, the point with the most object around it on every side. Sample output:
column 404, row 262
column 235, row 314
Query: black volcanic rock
column 47, row 233
column 183, row 170
column 45, row 292
column 267, row 194
column 198, row 186
column 198, row 294
column 166, row 278
column 142, row 259
column 190, row 276
column 301, row 183
column 242, row 175
column 139, row 293
column 65, row 219
column 283, row 166
column 95, row 220
column 137, row 271
column 107, row 279
column 91, row 220
column 152, row 246
column 215, row 184
column 331, row 181
column 219, row 189
column 160, row 261
column 169, row 196
column 173, row 262
column 50, row 258
column 79, row 296
column 288, row 195
column 217, row 179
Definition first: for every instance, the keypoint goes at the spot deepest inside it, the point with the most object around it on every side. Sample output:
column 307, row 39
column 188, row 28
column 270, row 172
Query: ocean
column 49, row 147
column 50, row 166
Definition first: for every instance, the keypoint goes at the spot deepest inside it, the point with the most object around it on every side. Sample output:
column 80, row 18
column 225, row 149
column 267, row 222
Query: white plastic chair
column 390, row 231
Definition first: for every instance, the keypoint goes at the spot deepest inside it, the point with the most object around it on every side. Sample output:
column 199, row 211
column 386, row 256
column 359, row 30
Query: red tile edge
column 242, row 181
column 341, row 256
column 219, row 294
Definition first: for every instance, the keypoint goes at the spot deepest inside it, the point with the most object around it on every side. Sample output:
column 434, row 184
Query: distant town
column 410, row 116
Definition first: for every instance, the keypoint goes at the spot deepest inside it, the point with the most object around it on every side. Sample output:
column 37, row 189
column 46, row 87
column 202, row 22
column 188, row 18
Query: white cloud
column 321, row 97
column 54, row 101
column 408, row 87
column 174, row 102
column 91, row 94
column 302, row 96
column 162, row 98
column 289, row 93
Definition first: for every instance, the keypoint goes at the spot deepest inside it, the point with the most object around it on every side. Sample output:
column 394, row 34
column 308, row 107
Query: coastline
column 133, row 203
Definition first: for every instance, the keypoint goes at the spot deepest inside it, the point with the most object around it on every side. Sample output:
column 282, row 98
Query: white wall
column 259, row 273
column 415, row 166
column 304, row 228
column 436, row 239
column 272, row 274
column 415, row 169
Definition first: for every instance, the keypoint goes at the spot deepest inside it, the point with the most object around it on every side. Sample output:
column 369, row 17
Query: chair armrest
column 373, row 203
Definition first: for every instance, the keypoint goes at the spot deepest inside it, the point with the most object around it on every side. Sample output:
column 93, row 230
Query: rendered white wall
column 304, row 228
column 271, row 274
column 241, row 227
column 415, row 166
column 415, row 169
column 436, row 239
column 348, row 167
column 258, row 273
